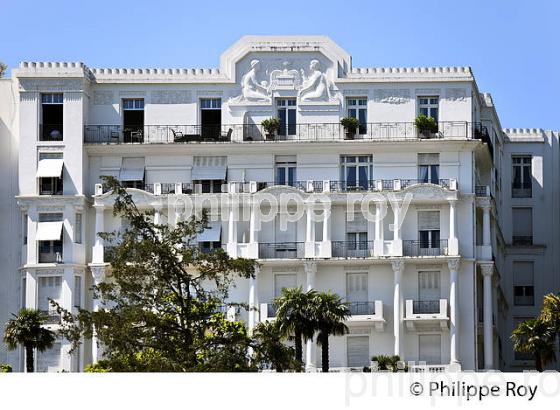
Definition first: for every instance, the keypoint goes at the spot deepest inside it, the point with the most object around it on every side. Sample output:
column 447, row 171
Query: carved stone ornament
column 454, row 264
column 487, row 269
column 103, row 97
column 456, row 94
column 397, row 265
column 310, row 267
column 392, row 96
column 171, row 97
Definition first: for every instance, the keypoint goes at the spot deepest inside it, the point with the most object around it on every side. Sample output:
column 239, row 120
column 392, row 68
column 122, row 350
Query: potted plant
column 271, row 127
column 426, row 126
column 350, row 125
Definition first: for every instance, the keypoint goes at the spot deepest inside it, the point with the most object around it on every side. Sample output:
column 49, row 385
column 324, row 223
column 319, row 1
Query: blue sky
column 513, row 46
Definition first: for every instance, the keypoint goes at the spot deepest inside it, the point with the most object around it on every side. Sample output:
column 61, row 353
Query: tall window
column 428, row 230
column 49, row 172
column 522, row 181
column 428, row 168
column 357, row 351
column 356, row 171
column 210, row 117
column 49, row 288
column 50, row 360
column 284, row 281
column 133, row 119
column 523, row 283
column 357, row 293
column 356, row 236
column 522, row 222
column 78, row 229
column 286, row 108
column 357, row 108
column 77, row 294
column 429, row 286
column 429, row 106
column 286, row 166
column 429, row 349
column 51, row 117
column 49, row 237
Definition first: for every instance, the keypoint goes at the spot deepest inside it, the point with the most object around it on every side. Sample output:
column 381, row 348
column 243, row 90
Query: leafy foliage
column 351, row 124
column 271, row 125
column 3, row 69
column 426, row 124
column 388, row 363
column 535, row 337
column 161, row 303
column 271, row 350
column 26, row 329
column 5, row 368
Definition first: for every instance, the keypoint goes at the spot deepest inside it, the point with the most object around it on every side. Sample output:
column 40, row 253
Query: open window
column 209, row 174
column 210, row 238
column 51, row 117
column 49, row 172
column 133, row 119
column 428, row 168
column 132, row 173
column 210, row 118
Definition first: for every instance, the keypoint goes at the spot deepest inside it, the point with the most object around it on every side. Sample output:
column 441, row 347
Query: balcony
column 426, row 314
column 421, row 248
column 320, row 132
column 367, row 313
column 345, row 249
column 282, row 250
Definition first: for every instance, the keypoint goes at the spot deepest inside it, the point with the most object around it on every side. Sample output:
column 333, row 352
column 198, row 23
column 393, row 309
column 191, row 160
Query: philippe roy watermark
column 290, row 207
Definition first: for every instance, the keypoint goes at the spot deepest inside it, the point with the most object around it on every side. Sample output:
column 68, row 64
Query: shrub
column 271, row 125
column 350, row 124
column 424, row 123
column 5, row 368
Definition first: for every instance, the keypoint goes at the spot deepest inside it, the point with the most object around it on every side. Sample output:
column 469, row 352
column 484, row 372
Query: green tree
column 550, row 311
column 3, row 69
column 535, row 337
column 160, row 306
column 295, row 316
column 26, row 329
column 271, row 350
column 329, row 314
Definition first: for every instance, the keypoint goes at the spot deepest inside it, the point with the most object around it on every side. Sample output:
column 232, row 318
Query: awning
column 212, row 233
column 50, row 168
column 49, row 231
column 132, row 169
column 209, row 168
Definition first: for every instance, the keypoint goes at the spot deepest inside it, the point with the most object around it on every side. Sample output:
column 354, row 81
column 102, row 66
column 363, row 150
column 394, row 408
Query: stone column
column 253, row 251
column 232, row 232
column 487, row 271
column 397, row 241
column 310, row 268
column 327, row 224
column 378, row 242
column 486, row 226
column 98, row 256
column 98, row 273
column 454, row 266
column 253, row 303
column 398, row 268
column 453, row 242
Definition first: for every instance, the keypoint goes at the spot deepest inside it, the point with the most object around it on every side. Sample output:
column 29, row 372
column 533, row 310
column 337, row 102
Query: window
column 49, row 237
column 523, row 283
column 284, row 281
column 210, row 238
column 286, row 108
column 522, row 181
column 357, row 351
column 209, row 173
column 25, row 228
column 522, row 222
column 429, row 106
column 428, row 168
column 50, row 360
column 49, row 172
column 357, row 293
column 23, row 292
column 77, row 294
column 286, row 166
column 78, row 229
column 51, row 117
column 428, row 230
column 132, row 172
column 210, row 118
column 133, row 119
column 356, row 171
column 357, row 108
column 429, row 288
column 49, row 288
column 429, row 349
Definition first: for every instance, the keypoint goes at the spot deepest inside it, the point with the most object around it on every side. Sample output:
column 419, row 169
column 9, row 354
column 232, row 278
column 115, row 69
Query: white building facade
column 426, row 282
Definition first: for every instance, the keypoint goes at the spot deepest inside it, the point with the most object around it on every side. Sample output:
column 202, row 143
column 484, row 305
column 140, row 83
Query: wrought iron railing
column 282, row 250
column 361, row 308
column 405, row 183
column 52, row 317
column 481, row 191
column 522, row 240
column 425, row 248
column 349, row 249
column 420, row 307
column 167, row 134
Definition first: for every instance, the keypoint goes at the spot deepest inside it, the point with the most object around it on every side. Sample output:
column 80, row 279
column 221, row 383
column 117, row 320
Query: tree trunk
column 299, row 347
column 29, row 362
column 538, row 363
column 325, row 353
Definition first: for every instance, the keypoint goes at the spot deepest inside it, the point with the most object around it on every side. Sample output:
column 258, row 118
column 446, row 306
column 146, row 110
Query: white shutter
column 428, row 159
column 357, row 287
column 212, row 233
column 429, row 286
column 209, row 168
column 284, row 280
column 49, row 231
column 287, row 235
column 132, row 169
column 77, row 291
column 523, row 273
column 50, row 168
column 357, row 350
column 50, row 287
column 358, row 224
column 522, row 221
column 428, row 220
column 429, row 349
column 49, row 360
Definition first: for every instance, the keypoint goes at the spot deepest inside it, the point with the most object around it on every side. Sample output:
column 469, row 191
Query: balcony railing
column 52, row 317
column 347, row 249
column 361, row 308
column 521, row 190
column 282, row 250
column 405, row 183
column 481, row 191
column 356, row 186
column 168, row 134
column 425, row 248
column 420, row 307
column 522, row 240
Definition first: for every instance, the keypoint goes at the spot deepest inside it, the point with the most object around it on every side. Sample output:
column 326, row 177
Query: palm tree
column 535, row 337
column 550, row 311
column 26, row 328
column 329, row 313
column 295, row 316
column 389, row 363
column 271, row 350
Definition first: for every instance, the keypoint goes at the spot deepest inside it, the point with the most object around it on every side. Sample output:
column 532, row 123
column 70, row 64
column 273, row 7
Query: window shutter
column 358, row 224
column 522, row 221
column 429, row 286
column 428, row 159
column 428, row 220
column 49, row 360
column 50, row 287
column 357, row 348
column 357, row 287
column 287, row 235
column 523, row 273
column 282, row 281
column 429, row 348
